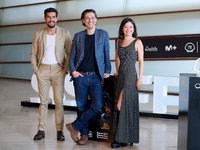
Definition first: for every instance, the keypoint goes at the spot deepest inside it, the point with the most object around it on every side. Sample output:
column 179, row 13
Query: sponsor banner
column 172, row 47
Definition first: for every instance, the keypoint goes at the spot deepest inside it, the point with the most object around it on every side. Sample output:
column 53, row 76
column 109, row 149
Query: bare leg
column 119, row 101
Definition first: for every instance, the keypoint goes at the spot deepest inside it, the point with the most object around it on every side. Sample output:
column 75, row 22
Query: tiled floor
column 18, row 125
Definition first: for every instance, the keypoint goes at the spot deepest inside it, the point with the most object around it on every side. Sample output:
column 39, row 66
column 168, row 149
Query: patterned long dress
column 128, row 124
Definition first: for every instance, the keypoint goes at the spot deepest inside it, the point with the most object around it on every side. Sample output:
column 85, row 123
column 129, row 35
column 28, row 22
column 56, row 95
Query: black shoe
column 60, row 136
column 115, row 144
column 123, row 144
column 40, row 134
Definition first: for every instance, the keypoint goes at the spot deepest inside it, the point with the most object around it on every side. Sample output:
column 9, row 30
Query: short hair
column 50, row 9
column 87, row 11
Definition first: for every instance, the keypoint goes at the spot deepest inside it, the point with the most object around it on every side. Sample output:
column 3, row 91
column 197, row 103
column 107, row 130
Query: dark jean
column 88, row 84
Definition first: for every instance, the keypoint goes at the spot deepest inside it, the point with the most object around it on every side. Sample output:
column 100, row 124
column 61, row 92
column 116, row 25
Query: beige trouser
column 51, row 75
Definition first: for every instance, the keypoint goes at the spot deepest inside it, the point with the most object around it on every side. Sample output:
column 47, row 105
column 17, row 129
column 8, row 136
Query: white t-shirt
column 50, row 52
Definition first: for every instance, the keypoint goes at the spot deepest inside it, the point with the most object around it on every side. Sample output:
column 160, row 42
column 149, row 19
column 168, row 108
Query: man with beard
column 49, row 58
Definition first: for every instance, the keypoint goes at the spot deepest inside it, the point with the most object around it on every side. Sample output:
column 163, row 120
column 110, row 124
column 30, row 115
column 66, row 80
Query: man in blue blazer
column 89, row 64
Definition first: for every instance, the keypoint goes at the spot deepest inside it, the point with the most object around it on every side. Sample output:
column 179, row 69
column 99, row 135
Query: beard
column 50, row 25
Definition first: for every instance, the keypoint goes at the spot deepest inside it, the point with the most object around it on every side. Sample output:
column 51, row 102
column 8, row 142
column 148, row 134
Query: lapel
column 44, row 37
column 96, row 40
column 82, row 41
column 57, row 37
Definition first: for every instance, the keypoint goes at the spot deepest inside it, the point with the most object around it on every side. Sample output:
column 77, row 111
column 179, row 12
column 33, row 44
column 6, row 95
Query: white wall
column 7, row 3
column 148, row 25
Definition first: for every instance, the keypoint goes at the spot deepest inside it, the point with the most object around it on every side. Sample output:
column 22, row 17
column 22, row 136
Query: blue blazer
column 102, row 49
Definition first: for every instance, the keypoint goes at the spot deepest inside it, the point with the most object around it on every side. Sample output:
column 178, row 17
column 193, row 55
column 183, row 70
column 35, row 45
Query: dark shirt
column 89, row 63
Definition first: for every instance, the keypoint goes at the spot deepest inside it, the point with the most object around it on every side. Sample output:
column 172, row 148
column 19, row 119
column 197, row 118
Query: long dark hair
column 121, row 33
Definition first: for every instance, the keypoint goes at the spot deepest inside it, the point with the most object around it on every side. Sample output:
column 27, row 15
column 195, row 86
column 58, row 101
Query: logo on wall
column 170, row 48
column 189, row 47
column 151, row 49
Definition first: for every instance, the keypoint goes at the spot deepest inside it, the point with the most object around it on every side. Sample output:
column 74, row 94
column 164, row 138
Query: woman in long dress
column 129, row 50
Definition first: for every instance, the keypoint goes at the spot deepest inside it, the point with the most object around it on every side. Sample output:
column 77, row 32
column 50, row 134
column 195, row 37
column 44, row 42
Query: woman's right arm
column 117, row 61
